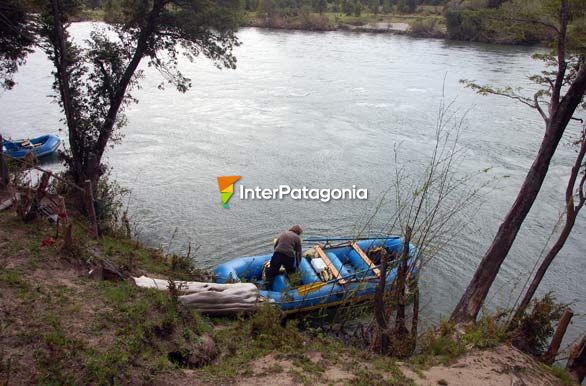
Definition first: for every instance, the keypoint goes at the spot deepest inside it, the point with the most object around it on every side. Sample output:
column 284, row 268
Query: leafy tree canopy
column 16, row 39
column 94, row 81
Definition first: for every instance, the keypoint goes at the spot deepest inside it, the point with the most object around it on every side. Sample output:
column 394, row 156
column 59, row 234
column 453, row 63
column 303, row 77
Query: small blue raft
column 351, row 274
column 40, row 146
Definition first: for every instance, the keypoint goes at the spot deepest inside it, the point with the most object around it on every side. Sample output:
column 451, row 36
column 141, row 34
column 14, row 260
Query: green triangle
column 225, row 198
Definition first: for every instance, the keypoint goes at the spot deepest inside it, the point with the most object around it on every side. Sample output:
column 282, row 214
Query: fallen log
column 210, row 298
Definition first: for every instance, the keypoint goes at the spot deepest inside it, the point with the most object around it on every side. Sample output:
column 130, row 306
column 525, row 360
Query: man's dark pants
column 278, row 260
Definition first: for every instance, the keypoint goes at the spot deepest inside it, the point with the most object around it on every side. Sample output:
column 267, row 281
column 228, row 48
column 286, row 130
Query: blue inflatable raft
column 328, row 275
column 40, row 146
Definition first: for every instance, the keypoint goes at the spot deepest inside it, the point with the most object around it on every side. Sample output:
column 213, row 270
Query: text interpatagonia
column 303, row 193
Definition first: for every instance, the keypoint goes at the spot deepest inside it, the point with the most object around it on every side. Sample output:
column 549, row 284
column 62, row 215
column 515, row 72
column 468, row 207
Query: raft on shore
column 328, row 275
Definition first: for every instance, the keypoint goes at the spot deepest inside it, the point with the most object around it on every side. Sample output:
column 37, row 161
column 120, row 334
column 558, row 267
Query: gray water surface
column 326, row 110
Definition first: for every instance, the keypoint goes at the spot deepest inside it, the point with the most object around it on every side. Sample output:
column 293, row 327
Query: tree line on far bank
column 468, row 20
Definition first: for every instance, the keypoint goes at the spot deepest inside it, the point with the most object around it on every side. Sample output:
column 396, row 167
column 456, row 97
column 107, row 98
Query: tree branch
column 539, row 109
column 141, row 48
column 561, row 57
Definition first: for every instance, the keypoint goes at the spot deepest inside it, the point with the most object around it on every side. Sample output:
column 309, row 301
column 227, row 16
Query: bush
column 489, row 331
column 466, row 25
column 534, row 329
column 487, row 25
column 425, row 28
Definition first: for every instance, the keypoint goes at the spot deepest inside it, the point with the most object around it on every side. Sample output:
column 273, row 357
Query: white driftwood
column 210, row 298
column 6, row 204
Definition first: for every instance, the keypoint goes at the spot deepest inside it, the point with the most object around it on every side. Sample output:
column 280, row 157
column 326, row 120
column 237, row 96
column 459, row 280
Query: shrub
column 489, row 331
column 534, row 329
column 425, row 28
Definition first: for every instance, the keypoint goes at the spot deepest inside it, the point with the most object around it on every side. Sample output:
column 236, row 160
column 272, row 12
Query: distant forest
column 470, row 20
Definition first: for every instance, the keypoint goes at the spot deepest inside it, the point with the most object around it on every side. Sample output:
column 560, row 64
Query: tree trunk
column 571, row 215
column 415, row 319
column 471, row 301
column 400, row 329
column 556, row 341
column 61, row 61
column 91, row 208
column 401, row 343
column 81, row 164
column 576, row 365
column 381, row 341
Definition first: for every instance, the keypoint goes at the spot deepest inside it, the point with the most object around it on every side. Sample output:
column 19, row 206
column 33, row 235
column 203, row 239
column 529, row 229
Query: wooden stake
column 67, row 237
column 556, row 341
column 43, row 185
column 90, row 208
column 576, row 365
column 3, row 166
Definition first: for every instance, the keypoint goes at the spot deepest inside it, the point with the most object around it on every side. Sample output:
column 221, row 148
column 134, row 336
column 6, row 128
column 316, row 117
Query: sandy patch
column 504, row 365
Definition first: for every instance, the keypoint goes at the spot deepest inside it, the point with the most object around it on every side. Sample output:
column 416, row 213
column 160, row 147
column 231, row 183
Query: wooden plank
column 330, row 265
column 366, row 259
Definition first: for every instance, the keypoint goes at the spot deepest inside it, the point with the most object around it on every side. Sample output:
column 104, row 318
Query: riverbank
column 419, row 25
column 61, row 326
column 414, row 25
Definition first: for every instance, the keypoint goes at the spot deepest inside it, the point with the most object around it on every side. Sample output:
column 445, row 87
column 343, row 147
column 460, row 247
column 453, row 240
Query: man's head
column 296, row 229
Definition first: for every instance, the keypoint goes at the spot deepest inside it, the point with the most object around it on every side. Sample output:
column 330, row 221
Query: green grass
column 560, row 373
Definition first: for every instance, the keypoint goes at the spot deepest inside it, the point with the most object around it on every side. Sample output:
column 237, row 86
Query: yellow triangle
column 229, row 189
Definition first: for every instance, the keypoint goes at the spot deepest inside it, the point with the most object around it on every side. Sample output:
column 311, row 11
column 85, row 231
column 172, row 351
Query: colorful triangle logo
column 226, row 185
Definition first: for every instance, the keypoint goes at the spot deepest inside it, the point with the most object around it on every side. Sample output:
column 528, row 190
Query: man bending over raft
column 287, row 253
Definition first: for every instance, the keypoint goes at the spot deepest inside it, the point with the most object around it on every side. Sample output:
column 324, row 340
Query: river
column 326, row 110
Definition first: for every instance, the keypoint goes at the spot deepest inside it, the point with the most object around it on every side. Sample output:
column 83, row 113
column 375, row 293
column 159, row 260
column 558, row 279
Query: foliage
column 16, row 39
column 109, row 205
column 488, row 332
column 561, row 92
column 426, row 28
column 561, row 373
column 535, row 328
column 446, row 344
column 94, row 82
column 441, row 344
column 485, row 25
column 252, row 336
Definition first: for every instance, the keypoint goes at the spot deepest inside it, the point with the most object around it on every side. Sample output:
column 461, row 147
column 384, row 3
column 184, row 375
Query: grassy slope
column 59, row 327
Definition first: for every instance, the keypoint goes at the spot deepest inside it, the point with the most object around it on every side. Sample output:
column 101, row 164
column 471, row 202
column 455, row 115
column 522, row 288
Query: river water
column 326, row 110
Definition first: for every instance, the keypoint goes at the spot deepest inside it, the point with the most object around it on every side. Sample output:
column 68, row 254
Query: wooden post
column 43, row 185
column 576, row 365
column 67, row 237
column 556, row 341
column 90, row 207
column 3, row 167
